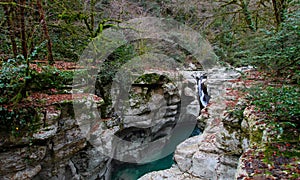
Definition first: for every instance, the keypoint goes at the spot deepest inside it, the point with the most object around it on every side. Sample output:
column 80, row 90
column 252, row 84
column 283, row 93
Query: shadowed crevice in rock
column 215, row 153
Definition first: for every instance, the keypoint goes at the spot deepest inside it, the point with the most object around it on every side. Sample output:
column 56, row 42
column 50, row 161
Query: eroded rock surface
column 66, row 148
column 58, row 150
column 215, row 153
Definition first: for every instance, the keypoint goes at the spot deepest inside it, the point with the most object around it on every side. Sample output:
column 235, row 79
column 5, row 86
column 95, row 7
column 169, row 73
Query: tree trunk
column 92, row 15
column 247, row 14
column 31, row 22
column 45, row 29
column 279, row 8
column 11, row 28
column 23, row 29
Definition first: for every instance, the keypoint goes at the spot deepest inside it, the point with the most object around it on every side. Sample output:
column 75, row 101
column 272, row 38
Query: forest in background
column 239, row 30
column 41, row 40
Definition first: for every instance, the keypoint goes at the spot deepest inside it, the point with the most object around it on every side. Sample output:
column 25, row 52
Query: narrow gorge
column 62, row 149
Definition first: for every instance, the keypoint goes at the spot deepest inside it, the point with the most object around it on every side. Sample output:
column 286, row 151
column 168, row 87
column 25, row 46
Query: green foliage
column 281, row 108
column 68, row 35
column 16, row 114
column 148, row 79
column 17, row 77
column 12, row 78
column 108, row 70
column 68, row 41
column 49, row 77
column 18, row 120
column 278, row 51
column 14, row 117
column 279, row 103
column 17, row 81
column 120, row 56
column 73, row 24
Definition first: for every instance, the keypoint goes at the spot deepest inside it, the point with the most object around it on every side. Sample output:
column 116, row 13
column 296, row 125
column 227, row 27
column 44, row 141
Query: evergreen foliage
column 278, row 51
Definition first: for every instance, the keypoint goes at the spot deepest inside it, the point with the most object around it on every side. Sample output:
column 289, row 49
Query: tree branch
column 14, row 4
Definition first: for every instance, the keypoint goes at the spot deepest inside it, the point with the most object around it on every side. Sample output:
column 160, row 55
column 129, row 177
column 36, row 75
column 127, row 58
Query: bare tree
column 248, row 18
column 45, row 29
column 23, row 28
column 11, row 27
column 244, row 6
column 279, row 7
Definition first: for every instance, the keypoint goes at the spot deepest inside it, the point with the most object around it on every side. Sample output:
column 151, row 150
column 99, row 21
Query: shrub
column 17, row 81
column 18, row 120
column 278, row 51
column 12, row 79
column 281, row 108
column 14, row 117
column 49, row 77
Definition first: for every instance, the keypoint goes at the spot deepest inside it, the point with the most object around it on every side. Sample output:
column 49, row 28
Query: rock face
column 59, row 150
column 65, row 148
column 154, row 109
column 148, row 116
column 215, row 153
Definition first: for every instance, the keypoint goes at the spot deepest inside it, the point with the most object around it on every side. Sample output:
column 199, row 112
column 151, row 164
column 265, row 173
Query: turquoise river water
column 131, row 171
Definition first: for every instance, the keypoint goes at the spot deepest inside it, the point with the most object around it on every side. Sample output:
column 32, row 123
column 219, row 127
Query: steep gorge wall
column 73, row 149
column 69, row 148
column 57, row 151
column 215, row 153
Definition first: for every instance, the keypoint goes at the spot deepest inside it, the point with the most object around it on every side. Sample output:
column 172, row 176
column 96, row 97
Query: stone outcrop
column 148, row 116
column 259, row 134
column 58, row 150
column 65, row 148
column 215, row 153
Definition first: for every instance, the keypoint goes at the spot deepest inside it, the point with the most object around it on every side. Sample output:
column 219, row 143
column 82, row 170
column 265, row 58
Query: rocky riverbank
column 236, row 142
column 230, row 146
column 73, row 146
column 215, row 153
